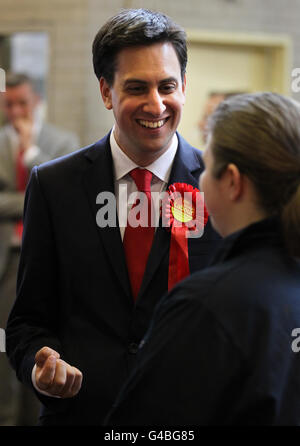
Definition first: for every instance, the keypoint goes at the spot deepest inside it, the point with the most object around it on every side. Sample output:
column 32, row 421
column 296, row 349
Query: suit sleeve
column 63, row 146
column 11, row 205
column 33, row 322
column 187, row 371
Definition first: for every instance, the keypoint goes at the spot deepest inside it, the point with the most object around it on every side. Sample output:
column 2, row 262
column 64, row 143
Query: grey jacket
column 53, row 143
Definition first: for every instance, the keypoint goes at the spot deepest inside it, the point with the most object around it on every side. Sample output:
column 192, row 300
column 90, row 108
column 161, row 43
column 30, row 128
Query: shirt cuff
column 36, row 387
column 31, row 154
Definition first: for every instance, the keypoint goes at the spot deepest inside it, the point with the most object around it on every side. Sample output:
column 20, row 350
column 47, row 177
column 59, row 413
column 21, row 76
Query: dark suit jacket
column 73, row 290
column 219, row 350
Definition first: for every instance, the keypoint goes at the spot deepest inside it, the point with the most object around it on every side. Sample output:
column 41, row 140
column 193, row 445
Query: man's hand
column 24, row 127
column 55, row 376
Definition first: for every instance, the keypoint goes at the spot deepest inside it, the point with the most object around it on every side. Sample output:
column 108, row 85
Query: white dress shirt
column 122, row 165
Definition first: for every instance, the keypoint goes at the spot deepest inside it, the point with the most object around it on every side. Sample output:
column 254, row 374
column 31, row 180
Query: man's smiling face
column 147, row 97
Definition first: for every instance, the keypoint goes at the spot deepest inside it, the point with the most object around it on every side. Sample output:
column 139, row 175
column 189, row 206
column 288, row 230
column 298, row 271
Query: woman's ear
column 105, row 91
column 235, row 182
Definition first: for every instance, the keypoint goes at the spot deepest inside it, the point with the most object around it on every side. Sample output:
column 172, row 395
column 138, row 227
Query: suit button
column 133, row 348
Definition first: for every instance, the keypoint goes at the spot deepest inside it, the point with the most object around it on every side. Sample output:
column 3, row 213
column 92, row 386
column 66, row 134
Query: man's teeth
column 151, row 124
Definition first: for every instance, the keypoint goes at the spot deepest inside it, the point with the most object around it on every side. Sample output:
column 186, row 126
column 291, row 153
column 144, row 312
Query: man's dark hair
column 17, row 79
column 135, row 27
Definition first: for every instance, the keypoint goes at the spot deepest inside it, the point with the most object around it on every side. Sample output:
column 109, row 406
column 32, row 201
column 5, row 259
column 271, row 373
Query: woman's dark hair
column 260, row 134
column 135, row 27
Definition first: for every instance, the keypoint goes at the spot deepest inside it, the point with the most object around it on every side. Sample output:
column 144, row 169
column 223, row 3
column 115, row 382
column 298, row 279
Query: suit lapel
column 186, row 168
column 99, row 178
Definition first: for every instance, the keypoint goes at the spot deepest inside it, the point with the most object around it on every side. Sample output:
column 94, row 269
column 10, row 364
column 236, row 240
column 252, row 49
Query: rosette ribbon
column 181, row 217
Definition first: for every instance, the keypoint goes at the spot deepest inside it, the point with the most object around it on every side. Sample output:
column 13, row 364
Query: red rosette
column 185, row 215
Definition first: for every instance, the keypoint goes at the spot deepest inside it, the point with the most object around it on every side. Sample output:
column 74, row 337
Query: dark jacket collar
column 262, row 233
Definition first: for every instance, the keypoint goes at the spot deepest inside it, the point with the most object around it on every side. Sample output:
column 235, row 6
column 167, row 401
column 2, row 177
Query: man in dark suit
column 82, row 305
column 25, row 140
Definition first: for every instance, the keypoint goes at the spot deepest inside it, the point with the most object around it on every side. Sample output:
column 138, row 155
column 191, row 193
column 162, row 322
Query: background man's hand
column 55, row 376
column 24, row 127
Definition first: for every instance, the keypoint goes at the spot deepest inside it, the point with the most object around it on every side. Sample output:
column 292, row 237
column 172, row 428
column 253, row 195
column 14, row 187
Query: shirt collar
column 161, row 167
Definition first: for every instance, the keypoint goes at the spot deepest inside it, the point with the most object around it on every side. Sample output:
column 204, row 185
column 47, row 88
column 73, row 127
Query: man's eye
column 135, row 90
column 168, row 88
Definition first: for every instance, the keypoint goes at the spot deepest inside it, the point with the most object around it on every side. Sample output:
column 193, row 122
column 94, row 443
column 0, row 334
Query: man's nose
column 155, row 104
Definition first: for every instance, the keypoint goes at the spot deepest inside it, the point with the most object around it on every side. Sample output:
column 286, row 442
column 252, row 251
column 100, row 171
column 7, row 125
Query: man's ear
column 235, row 182
column 184, row 88
column 105, row 91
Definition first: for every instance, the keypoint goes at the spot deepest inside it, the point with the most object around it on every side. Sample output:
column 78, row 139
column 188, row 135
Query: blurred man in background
column 25, row 141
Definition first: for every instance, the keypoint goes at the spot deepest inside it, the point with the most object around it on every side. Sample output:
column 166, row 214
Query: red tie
column 138, row 241
column 21, row 181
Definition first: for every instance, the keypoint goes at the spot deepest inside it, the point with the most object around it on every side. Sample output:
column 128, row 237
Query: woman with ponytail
column 224, row 346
